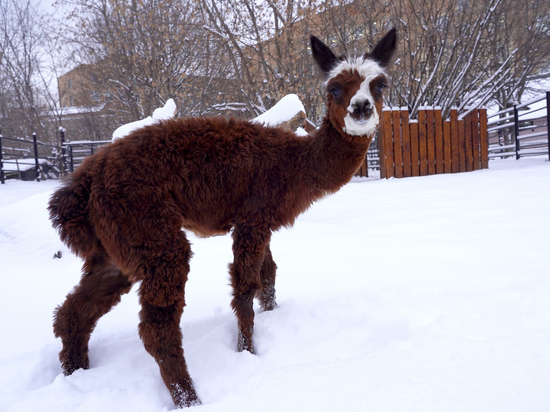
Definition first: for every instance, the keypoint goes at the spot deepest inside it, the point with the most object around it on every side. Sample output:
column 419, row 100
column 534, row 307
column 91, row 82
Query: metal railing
column 22, row 157
column 75, row 152
column 521, row 130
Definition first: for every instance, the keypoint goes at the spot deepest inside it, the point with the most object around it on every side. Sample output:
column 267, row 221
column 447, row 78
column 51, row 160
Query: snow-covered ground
column 418, row 294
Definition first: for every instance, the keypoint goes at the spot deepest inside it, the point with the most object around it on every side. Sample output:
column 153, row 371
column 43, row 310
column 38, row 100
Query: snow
column 284, row 110
column 418, row 294
column 162, row 113
column 23, row 165
column 535, row 110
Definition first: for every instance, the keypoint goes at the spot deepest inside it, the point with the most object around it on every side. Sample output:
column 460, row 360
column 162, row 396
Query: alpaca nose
column 362, row 107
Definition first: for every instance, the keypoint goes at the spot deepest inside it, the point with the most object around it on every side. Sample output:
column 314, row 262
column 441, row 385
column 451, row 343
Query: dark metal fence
column 75, row 152
column 20, row 158
column 521, row 130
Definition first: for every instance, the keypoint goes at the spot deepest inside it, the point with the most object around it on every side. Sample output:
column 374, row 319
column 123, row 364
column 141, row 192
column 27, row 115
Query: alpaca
column 123, row 209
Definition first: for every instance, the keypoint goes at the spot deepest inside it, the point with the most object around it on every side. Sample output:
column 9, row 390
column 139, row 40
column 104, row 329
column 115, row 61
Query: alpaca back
column 230, row 170
column 215, row 171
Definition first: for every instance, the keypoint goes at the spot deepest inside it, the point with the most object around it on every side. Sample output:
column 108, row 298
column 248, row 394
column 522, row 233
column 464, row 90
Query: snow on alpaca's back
column 284, row 110
column 162, row 113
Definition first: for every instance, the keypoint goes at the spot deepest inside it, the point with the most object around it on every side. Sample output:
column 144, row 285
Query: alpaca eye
column 336, row 92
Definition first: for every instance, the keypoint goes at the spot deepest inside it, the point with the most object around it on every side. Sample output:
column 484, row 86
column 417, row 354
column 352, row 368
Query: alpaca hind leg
column 249, row 248
column 100, row 289
column 162, row 300
column 267, row 276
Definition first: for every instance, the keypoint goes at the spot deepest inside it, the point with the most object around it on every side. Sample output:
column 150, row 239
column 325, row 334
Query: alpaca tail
column 68, row 213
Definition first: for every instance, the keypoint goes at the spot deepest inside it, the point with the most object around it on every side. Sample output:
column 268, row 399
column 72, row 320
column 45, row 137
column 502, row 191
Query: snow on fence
column 429, row 145
column 521, row 130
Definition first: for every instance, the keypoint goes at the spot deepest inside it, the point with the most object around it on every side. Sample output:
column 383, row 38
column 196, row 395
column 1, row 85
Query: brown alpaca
column 123, row 209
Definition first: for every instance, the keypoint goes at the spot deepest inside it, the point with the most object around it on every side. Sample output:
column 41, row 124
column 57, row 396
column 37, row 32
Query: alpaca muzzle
column 361, row 110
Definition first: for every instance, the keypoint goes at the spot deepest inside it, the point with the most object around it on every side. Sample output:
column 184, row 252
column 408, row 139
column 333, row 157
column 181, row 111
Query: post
column 71, row 157
column 2, row 179
column 516, row 130
column 548, row 121
column 63, row 163
column 36, row 157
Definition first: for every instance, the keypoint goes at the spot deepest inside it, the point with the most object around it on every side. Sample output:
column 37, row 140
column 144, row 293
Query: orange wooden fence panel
column 455, row 164
column 397, row 143
column 406, row 139
column 422, row 143
column 431, row 145
column 415, row 159
column 438, row 128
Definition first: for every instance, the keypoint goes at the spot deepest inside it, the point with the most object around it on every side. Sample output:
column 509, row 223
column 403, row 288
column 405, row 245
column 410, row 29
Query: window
column 95, row 96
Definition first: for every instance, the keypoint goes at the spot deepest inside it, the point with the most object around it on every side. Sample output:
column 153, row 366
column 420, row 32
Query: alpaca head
column 355, row 85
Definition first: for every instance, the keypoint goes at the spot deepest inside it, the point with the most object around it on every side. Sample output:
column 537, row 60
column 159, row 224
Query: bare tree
column 265, row 43
column 26, row 92
column 144, row 52
column 241, row 56
column 464, row 54
column 525, row 35
column 452, row 53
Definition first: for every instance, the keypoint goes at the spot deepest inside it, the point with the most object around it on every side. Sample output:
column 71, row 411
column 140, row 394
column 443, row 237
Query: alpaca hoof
column 69, row 367
column 269, row 305
column 70, row 364
column 267, row 299
column 244, row 344
column 184, row 398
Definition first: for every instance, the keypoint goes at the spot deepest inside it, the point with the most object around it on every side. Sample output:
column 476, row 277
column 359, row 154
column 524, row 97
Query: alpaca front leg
column 249, row 250
column 161, row 335
column 243, row 306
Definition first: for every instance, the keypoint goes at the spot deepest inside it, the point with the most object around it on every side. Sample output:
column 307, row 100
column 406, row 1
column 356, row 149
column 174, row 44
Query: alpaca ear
column 383, row 51
column 324, row 57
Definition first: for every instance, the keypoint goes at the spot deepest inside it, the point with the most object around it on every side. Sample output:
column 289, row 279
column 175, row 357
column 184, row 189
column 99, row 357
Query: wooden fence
column 430, row 145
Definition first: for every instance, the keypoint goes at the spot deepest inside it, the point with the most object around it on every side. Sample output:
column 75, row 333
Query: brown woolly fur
column 122, row 211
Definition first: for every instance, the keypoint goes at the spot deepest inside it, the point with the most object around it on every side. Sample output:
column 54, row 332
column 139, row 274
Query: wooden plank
column 415, row 165
column 439, row 159
column 484, row 141
column 455, row 162
column 475, row 140
column 422, row 143
column 381, row 152
column 430, row 141
column 469, row 158
column 388, row 144
column 447, row 153
column 406, row 143
column 397, row 153
column 461, row 143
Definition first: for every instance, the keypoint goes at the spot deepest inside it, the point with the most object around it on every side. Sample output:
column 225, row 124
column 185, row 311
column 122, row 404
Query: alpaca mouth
column 361, row 125
column 363, row 117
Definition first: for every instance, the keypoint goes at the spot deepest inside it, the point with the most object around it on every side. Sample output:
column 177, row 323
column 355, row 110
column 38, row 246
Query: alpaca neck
column 334, row 157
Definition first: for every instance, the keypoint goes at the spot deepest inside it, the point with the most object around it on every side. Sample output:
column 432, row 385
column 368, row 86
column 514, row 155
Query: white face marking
column 369, row 70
